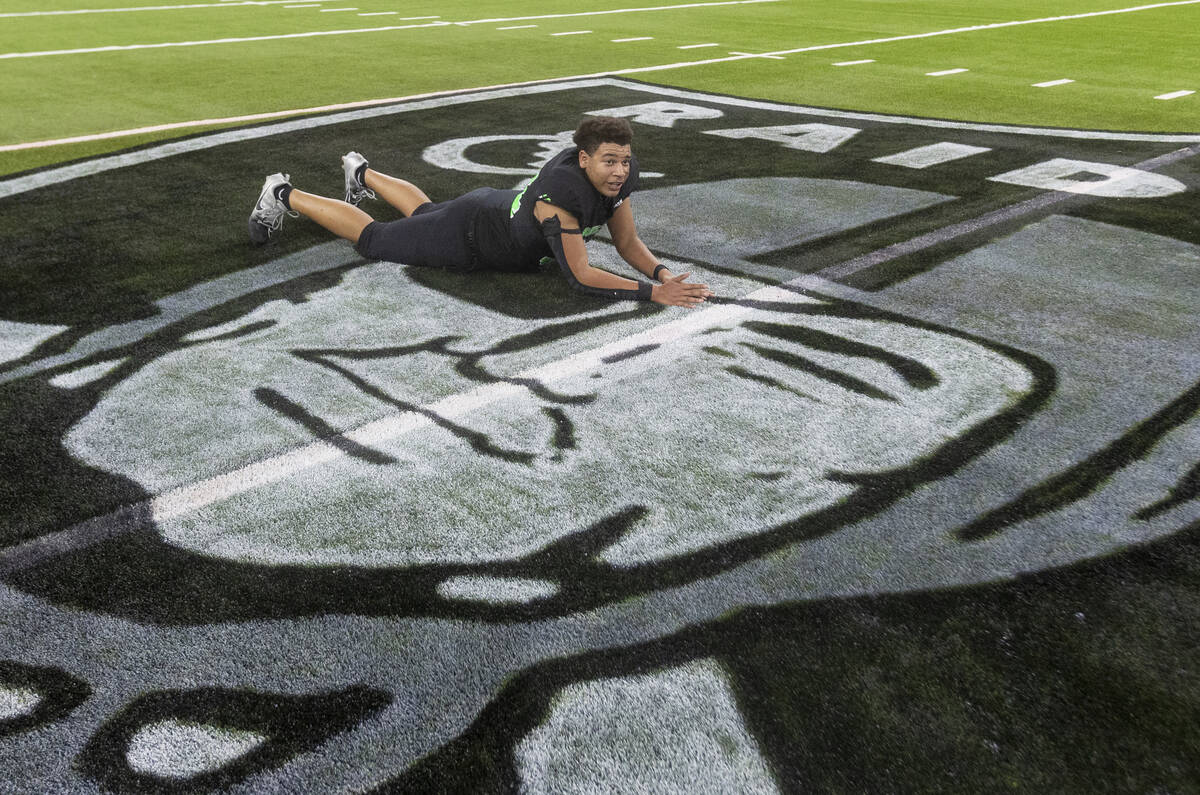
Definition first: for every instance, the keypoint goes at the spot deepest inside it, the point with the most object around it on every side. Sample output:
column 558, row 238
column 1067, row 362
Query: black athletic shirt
column 509, row 237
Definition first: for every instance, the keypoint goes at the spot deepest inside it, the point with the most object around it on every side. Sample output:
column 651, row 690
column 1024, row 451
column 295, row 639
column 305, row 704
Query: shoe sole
column 259, row 233
column 354, row 195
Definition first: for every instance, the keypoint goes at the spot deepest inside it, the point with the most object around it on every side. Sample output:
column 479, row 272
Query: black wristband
column 657, row 268
column 644, row 290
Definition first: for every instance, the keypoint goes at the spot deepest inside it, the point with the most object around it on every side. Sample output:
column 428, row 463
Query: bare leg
column 344, row 220
column 402, row 195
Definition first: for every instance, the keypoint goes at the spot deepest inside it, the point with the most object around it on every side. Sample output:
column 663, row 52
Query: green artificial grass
column 59, row 96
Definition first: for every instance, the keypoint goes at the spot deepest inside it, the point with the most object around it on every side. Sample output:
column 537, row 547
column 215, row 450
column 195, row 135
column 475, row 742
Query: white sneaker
column 268, row 212
column 355, row 190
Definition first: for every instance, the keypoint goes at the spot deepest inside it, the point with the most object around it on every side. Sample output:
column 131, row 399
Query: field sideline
column 912, row 504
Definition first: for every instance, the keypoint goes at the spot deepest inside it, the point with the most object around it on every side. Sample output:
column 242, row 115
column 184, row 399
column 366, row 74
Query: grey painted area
column 176, row 750
column 671, row 731
column 19, row 339
column 729, row 221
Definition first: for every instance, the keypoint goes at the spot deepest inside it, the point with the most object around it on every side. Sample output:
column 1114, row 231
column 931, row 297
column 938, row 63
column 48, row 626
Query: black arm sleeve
column 552, row 229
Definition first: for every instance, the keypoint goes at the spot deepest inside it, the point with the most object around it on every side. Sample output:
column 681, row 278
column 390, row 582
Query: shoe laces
column 356, row 191
column 271, row 215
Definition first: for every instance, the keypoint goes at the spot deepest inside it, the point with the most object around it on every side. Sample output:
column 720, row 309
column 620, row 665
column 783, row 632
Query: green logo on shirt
column 516, row 205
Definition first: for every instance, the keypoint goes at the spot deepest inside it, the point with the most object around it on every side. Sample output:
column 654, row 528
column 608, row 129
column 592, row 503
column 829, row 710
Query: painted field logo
column 944, row 355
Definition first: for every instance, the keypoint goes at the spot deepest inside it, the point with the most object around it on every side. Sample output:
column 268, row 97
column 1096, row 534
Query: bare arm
column 631, row 248
column 573, row 260
column 629, row 244
column 576, row 252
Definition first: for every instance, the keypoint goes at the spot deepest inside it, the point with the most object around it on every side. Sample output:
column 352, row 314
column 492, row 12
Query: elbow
column 580, row 282
column 574, row 282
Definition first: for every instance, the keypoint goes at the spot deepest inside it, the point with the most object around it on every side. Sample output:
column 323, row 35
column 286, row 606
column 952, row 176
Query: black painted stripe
column 766, row 380
column 836, row 377
column 1186, row 490
column 917, row 374
column 629, row 354
column 1090, row 474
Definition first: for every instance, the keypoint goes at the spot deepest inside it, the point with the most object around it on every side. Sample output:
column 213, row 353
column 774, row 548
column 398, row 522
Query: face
column 608, row 167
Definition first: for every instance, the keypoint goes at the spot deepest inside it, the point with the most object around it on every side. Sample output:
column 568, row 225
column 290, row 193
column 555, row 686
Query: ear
column 583, row 158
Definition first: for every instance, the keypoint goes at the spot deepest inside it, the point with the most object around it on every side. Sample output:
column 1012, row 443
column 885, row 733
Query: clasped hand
column 677, row 292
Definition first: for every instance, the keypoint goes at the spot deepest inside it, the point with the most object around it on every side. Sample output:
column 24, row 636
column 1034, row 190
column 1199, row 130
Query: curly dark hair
column 596, row 130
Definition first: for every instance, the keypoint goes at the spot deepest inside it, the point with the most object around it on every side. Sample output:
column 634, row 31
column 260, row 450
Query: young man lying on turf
column 582, row 188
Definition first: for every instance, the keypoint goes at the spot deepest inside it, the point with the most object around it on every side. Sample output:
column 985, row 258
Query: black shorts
column 440, row 235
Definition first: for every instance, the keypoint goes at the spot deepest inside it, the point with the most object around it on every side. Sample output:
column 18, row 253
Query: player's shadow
column 537, row 295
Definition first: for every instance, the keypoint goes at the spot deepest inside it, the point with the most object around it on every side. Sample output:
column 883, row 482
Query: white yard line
column 945, row 72
column 991, row 26
column 855, row 63
column 572, row 33
column 758, row 55
column 633, row 38
column 777, row 53
column 152, row 8
column 232, row 40
column 244, row 39
column 293, row 5
column 375, row 103
column 1052, row 83
column 696, row 46
column 618, row 11
column 1175, row 95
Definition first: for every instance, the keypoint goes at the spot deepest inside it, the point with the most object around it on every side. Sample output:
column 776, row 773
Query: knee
column 362, row 241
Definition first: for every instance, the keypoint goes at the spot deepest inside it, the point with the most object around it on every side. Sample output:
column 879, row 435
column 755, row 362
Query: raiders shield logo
column 942, row 355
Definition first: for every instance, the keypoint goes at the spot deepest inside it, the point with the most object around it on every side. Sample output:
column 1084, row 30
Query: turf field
column 911, row 505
